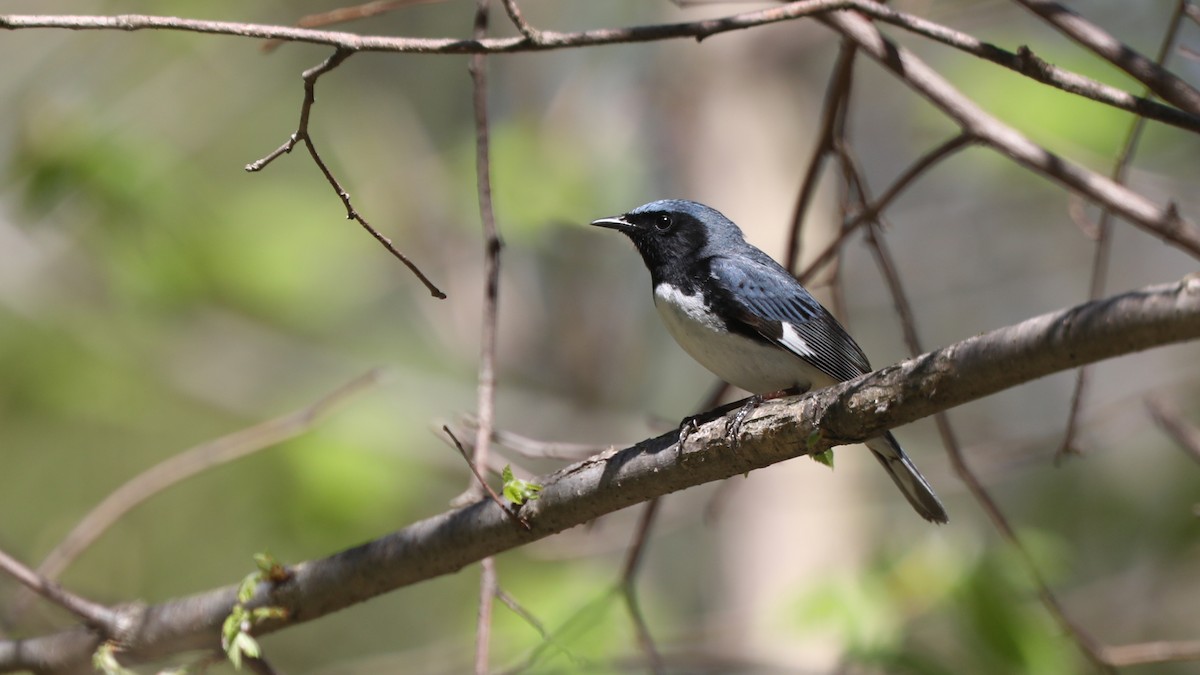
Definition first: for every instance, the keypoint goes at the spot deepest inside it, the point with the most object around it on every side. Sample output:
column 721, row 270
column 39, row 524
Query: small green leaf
column 265, row 562
column 232, row 625
column 825, row 458
column 235, row 655
column 243, row 644
column 512, row 494
column 246, row 643
column 245, row 589
column 813, row 439
column 516, row 490
column 104, row 659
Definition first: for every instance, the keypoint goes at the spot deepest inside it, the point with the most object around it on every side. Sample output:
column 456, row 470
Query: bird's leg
column 735, row 424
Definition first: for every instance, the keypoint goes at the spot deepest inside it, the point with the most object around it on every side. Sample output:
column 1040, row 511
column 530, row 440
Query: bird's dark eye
column 663, row 223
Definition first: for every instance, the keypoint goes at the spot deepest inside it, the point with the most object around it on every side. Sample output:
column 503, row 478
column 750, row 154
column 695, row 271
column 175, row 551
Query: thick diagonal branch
column 777, row 431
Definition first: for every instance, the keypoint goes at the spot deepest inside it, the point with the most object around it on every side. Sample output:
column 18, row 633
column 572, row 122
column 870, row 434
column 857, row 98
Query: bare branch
column 189, row 463
column 1168, row 418
column 866, row 215
column 1152, row 652
column 1160, row 80
column 837, row 93
column 91, row 613
column 486, row 404
column 302, row 135
column 1087, row 644
column 1164, row 222
column 351, row 13
column 629, row 585
column 482, row 482
column 1103, row 249
column 776, row 431
column 518, row 19
column 1023, row 62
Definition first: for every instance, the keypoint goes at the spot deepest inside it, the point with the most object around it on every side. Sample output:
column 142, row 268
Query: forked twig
column 518, row 19
column 872, row 211
column 302, row 135
column 91, row 613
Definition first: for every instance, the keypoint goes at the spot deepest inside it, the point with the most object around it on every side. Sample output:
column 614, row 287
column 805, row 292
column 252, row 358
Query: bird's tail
column 910, row 481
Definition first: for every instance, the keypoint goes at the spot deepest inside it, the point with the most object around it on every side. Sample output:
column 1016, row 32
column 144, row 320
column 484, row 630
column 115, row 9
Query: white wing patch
column 792, row 340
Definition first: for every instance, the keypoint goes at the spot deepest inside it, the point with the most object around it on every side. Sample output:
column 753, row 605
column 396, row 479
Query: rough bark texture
column 777, row 431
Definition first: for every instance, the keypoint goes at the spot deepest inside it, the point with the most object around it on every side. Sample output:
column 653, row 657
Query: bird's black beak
column 615, row 223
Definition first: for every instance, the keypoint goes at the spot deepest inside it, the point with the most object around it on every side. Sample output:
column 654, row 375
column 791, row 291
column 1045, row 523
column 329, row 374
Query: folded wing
column 773, row 304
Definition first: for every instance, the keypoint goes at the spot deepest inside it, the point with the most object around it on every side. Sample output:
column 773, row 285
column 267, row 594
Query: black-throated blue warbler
column 745, row 318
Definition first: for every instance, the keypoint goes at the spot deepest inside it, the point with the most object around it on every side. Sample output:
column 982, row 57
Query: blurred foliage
column 154, row 296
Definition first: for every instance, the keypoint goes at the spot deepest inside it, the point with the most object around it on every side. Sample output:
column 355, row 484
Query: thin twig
column 302, row 135
column 525, row 614
column 1168, row 418
column 186, row 464
column 91, row 613
column 518, row 19
column 548, row 639
column 1103, row 249
column 1077, row 212
column 532, row 448
column 481, row 483
column 872, row 211
column 629, row 585
column 1143, row 653
column 486, row 406
column 488, row 583
column 1087, row 644
column 345, row 14
column 836, row 93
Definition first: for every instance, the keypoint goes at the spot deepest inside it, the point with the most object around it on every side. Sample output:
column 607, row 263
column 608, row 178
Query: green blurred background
column 153, row 296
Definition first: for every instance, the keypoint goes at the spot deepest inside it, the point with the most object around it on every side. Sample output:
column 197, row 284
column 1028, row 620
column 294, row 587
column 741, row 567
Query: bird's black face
column 665, row 238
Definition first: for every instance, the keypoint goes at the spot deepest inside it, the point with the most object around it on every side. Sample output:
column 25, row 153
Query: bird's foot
column 692, row 423
column 686, row 427
column 734, row 425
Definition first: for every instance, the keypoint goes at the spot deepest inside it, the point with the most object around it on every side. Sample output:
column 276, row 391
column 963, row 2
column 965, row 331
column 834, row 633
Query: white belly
column 756, row 367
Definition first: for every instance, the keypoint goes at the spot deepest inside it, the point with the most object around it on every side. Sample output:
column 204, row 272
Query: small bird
column 745, row 318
